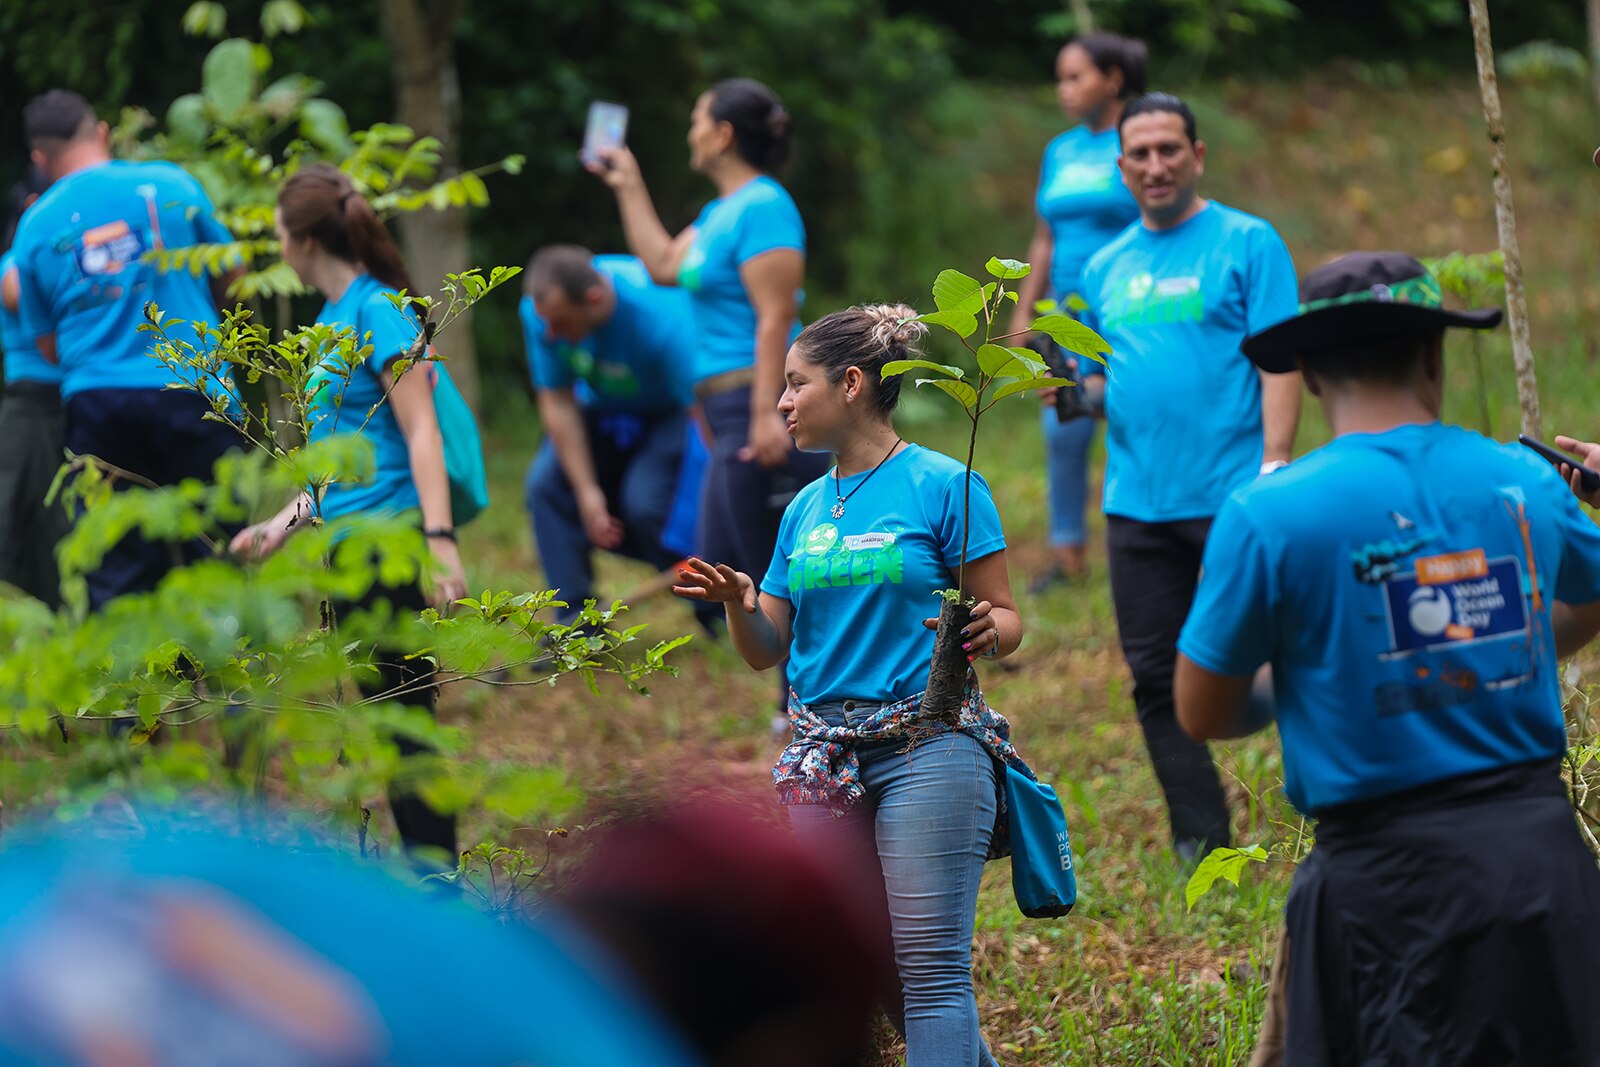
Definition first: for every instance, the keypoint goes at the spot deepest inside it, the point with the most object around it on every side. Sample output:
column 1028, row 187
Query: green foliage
column 1477, row 279
column 242, row 140
column 1542, row 62
column 961, row 302
column 252, row 651
column 1226, row 863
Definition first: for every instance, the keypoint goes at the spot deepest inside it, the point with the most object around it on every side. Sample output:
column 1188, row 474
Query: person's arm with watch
column 411, row 399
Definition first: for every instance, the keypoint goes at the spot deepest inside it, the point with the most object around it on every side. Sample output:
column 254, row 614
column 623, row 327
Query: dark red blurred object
column 762, row 950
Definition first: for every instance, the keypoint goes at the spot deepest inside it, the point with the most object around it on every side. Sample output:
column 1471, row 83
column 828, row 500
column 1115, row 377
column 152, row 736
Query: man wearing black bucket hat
column 1411, row 584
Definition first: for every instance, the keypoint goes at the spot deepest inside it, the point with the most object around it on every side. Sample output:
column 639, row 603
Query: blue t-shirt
column 1183, row 404
column 861, row 585
column 641, row 359
column 365, row 308
column 22, row 358
column 203, row 945
column 756, row 218
column 1387, row 578
column 80, row 258
column 1083, row 200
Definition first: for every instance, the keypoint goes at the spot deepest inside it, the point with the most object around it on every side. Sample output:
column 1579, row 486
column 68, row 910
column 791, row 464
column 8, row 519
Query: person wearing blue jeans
column 610, row 353
column 932, row 863
column 636, row 458
column 860, row 556
column 1082, row 204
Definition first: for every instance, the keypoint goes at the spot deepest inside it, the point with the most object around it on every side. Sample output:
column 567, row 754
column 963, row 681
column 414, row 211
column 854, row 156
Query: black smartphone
column 1589, row 479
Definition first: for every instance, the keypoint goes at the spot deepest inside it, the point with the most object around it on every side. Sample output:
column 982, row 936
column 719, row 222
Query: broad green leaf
column 1226, row 863
column 992, row 359
column 963, row 393
column 954, row 291
column 323, row 123
column 205, row 19
column 1029, row 385
column 228, row 79
column 900, row 366
column 1008, row 269
column 1072, row 335
column 961, row 323
column 1029, row 359
column 1075, row 303
column 282, row 16
column 186, row 120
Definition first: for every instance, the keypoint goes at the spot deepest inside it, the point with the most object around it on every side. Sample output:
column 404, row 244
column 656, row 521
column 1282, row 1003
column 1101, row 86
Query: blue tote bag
column 463, row 452
column 1042, row 877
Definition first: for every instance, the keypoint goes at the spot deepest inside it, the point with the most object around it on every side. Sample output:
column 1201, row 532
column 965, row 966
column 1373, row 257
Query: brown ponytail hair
column 321, row 203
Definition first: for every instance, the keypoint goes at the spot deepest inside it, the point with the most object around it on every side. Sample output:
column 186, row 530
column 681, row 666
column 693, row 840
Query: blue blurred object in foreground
column 186, row 946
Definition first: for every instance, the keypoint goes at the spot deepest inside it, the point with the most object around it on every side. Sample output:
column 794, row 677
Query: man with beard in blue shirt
column 1188, row 419
column 1412, row 585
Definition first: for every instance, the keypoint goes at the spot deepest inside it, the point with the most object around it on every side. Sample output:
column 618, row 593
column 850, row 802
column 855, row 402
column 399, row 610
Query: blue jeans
column 1066, row 464
column 636, row 458
column 925, row 826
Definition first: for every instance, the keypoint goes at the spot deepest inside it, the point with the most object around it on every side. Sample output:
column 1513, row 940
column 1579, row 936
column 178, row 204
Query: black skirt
column 1454, row 925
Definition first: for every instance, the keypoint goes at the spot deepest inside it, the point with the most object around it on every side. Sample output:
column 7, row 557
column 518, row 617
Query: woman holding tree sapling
column 862, row 556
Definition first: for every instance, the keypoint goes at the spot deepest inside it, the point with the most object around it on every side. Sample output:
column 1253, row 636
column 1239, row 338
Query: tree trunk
column 428, row 99
column 1083, row 18
column 1506, row 222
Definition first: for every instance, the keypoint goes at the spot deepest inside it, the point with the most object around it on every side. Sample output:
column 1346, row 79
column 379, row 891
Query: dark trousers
column 31, row 452
column 636, row 457
column 162, row 436
column 742, row 502
column 1454, row 924
column 411, row 679
column 1154, row 569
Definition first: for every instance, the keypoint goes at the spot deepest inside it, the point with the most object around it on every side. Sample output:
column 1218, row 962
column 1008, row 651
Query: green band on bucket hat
column 1353, row 300
column 1421, row 291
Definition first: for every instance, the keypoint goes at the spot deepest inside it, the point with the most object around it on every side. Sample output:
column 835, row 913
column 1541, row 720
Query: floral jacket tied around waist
column 820, row 765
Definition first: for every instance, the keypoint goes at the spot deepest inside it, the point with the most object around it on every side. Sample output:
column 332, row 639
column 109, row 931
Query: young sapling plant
column 971, row 310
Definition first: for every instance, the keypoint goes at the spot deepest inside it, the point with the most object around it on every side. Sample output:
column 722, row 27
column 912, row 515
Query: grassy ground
column 1132, row 977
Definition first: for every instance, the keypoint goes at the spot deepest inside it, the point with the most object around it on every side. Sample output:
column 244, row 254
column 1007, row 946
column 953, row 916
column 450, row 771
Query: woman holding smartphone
column 743, row 264
column 1082, row 203
column 910, row 802
column 335, row 242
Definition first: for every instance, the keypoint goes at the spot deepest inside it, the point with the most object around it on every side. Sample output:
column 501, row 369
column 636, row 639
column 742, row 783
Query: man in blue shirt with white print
column 612, row 355
column 84, row 278
column 1411, row 584
column 1188, row 419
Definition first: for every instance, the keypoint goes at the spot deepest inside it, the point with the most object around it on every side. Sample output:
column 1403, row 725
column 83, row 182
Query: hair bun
column 895, row 325
column 778, row 122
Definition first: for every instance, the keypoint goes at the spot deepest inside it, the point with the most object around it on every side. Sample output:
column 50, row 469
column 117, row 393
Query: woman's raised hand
column 615, row 166
column 719, row 584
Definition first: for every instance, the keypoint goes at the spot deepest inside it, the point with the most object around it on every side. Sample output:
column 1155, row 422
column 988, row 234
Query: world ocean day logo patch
column 1455, row 598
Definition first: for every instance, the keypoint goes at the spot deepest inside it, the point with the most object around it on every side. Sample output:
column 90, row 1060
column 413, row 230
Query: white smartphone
column 607, row 128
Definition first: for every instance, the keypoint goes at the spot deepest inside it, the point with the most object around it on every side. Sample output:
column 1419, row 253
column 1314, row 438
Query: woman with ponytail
column 336, row 243
column 860, row 559
column 743, row 264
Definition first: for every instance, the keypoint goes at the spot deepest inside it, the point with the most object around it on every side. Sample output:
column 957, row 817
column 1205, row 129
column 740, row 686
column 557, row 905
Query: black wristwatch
column 448, row 533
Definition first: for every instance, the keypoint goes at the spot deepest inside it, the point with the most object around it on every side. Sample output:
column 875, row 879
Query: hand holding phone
column 607, row 128
column 1588, row 478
